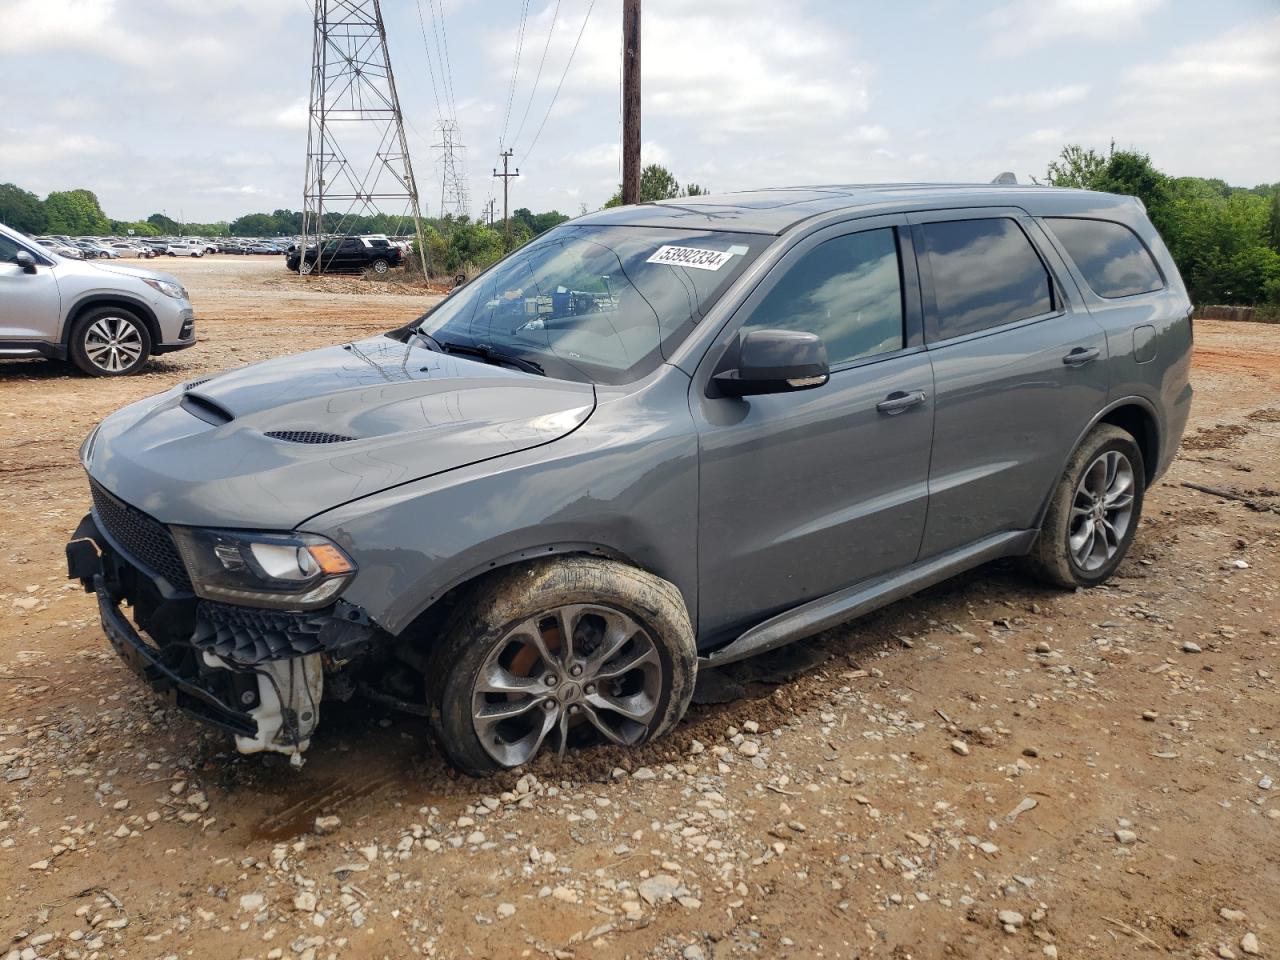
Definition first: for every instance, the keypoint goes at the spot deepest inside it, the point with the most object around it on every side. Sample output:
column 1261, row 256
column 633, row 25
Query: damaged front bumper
column 256, row 674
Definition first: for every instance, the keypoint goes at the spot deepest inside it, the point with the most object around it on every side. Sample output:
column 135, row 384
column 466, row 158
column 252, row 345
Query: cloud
column 1039, row 100
column 101, row 28
column 45, row 147
column 1023, row 25
column 1207, row 108
column 733, row 67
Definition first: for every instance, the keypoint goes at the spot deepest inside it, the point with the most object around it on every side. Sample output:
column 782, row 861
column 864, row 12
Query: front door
column 29, row 302
column 1020, row 369
column 802, row 494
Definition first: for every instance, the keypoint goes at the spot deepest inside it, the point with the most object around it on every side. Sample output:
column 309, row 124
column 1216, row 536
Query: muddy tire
column 505, row 686
column 1094, row 513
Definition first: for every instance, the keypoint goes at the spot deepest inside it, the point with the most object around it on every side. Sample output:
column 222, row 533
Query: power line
column 538, row 76
column 426, row 46
column 515, row 72
column 438, row 7
column 554, row 96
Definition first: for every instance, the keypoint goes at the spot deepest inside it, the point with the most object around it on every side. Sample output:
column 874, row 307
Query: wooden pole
column 631, row 101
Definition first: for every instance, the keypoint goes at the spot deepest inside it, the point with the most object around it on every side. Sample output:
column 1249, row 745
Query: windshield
column 602, row 304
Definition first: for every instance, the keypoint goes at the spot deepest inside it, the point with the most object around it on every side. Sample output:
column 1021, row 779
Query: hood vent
column 307, row 436
column 196, row 383
column 204, row 408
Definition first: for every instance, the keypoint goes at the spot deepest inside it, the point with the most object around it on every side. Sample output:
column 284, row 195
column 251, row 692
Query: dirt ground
column 990, row 769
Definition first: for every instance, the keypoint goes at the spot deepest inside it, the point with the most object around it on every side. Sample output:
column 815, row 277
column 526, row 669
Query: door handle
column 1081, row 355
column 898, row 401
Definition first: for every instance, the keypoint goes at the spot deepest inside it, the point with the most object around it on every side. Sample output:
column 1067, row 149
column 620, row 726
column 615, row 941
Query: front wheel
column 1094, row 513
column 110, row 342
column 563, row 652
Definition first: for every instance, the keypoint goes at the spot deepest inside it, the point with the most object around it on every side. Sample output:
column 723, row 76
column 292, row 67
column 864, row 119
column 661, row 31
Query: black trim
column 171, row 347
column 51, row 351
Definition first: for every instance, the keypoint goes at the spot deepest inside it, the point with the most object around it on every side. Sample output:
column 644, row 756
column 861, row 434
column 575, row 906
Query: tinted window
column 985, row 273
column 847, row 290
column 1110, row 255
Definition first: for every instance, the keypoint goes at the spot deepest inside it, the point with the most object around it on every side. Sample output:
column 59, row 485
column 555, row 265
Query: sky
column 198, row 108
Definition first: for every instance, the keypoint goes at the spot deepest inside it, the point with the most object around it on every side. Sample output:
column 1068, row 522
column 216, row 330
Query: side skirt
column 826, row 612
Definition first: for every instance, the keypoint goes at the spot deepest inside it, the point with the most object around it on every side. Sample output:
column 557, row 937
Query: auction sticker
column 694, row 257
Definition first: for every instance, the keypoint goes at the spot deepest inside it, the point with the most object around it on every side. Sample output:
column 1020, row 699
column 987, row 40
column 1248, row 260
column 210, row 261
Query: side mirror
column 25, row 260
column 773, row 361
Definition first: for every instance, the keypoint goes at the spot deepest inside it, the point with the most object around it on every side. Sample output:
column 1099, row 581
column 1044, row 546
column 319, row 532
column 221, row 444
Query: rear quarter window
column 1114, row 262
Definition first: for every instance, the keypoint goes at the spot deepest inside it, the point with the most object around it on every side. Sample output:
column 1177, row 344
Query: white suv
column 106, row 319
column 184, row 248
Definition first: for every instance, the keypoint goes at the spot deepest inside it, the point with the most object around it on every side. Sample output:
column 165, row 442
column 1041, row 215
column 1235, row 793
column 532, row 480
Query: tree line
column 1225, row 239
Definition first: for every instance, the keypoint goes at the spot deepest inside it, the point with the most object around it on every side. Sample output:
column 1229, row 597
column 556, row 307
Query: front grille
column 307, row 436
column 146, row 540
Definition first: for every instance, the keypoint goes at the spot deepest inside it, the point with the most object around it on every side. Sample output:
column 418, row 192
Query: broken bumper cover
column 257, row 674
column 148, row 664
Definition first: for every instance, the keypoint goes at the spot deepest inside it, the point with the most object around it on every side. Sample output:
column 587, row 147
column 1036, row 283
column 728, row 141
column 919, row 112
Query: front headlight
column 167, row 287
column 290, row 571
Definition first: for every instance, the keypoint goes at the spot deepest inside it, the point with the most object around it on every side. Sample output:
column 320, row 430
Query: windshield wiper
column 482, row 352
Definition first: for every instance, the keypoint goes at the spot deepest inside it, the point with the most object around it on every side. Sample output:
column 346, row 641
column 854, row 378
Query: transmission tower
column 357, row 156
column 453, row 184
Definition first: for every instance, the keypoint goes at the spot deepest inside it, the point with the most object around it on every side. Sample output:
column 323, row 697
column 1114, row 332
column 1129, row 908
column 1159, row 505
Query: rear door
column 1019, row 370
column 802, row 494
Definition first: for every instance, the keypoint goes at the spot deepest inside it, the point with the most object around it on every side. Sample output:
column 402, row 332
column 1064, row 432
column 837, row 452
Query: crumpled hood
column 200, row 455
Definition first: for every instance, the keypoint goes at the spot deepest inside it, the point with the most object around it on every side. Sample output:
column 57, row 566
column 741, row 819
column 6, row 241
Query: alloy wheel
column 1101, row 511
column 113, row 344
column 576, row 669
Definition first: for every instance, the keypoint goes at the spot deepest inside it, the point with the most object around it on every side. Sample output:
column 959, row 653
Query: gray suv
column 653, row 441
column 105, row 318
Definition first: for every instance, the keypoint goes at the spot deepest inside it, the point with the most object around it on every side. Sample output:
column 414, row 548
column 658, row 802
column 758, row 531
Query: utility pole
column 357, row 154
column 489, row 208
column 506, row 176
column 631, row 101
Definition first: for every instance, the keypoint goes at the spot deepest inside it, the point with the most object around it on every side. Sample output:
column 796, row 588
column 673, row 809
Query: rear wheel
column 110, row 342
column 380, row 266
column 1094, row 513
column 564, row 652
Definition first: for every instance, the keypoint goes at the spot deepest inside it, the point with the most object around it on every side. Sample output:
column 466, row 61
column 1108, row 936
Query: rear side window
column 985, row 273
column 847, row 290
column 1110, row 255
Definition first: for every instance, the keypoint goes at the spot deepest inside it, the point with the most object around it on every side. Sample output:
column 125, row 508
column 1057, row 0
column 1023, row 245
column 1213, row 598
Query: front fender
column 625, row 493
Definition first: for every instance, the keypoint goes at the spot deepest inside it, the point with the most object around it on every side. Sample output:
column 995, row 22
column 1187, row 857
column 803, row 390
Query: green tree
column 1273, row 219
column 694, row 190
column 163, row 224
column 21, row 209
column 539, row 222
column 255, row 225
column 140, row 228
column 1077, row 167
column 656, row 183
column 75, row 212
column 1133, row 173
